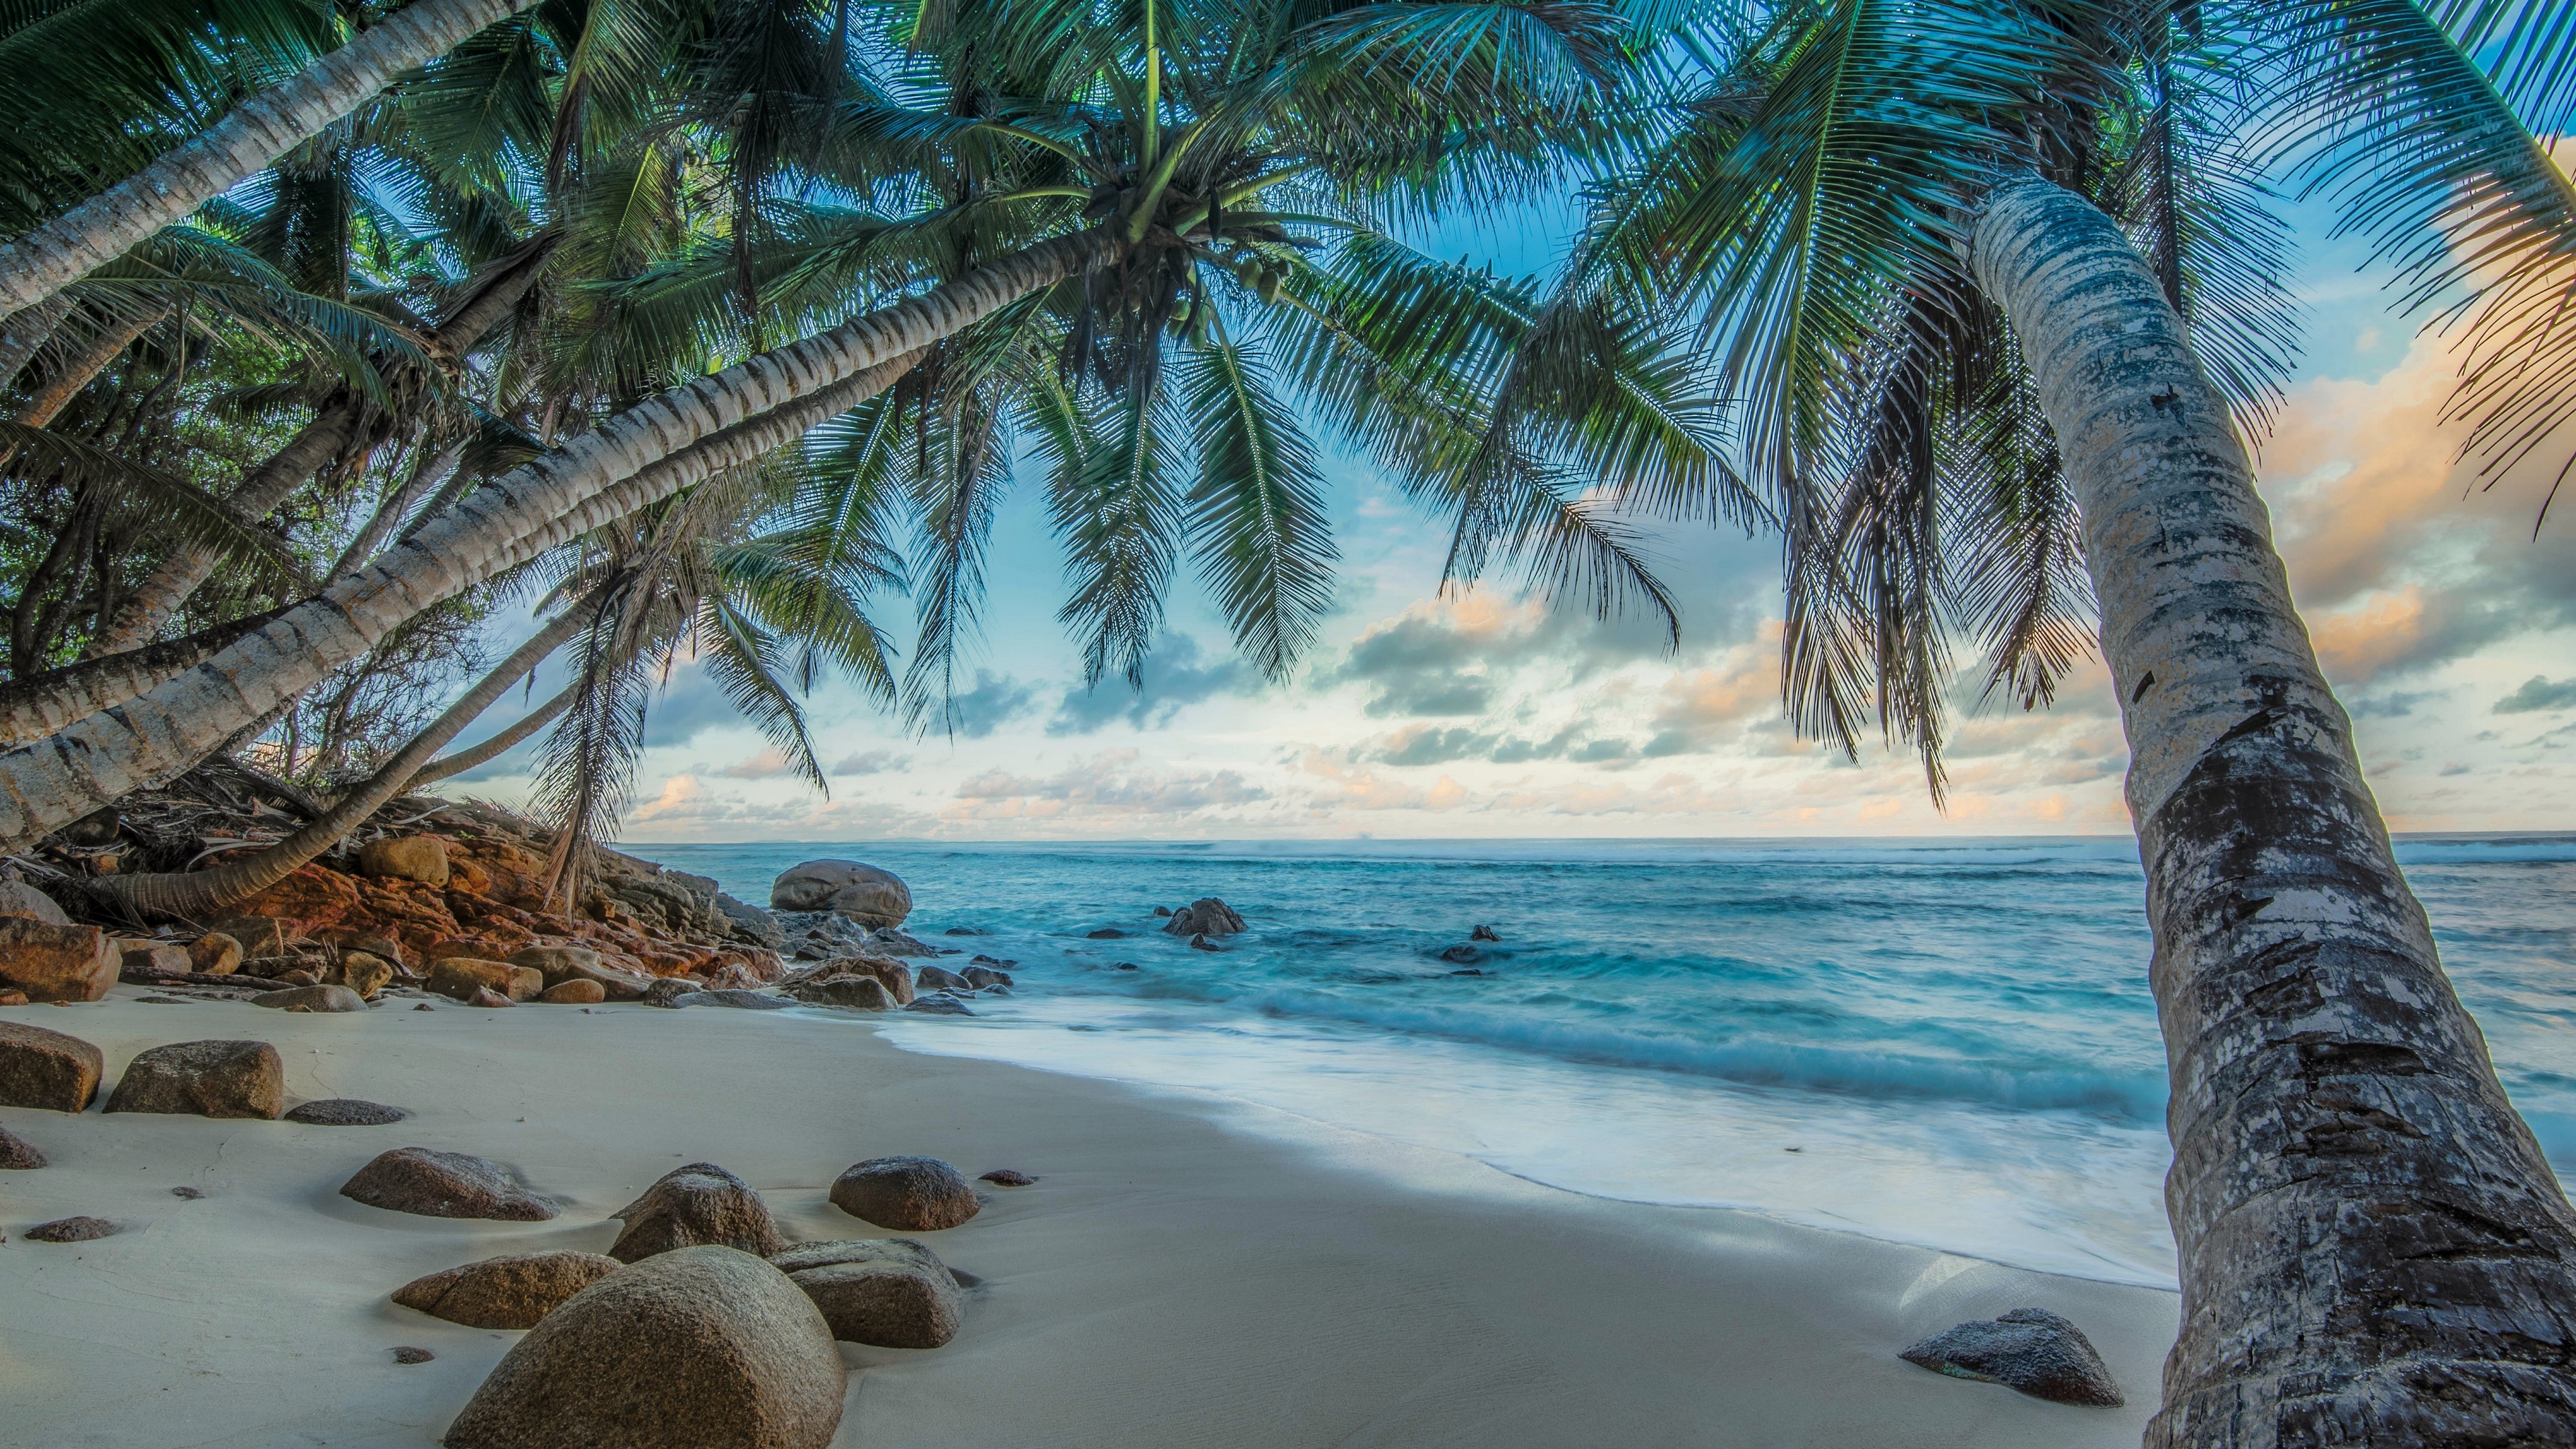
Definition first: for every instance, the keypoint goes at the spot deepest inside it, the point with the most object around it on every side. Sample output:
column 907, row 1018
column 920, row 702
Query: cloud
column 769, row 764
column 873, row 762
column 1707, row 708
column 1460, row 654
column 2537, row 693
column 1110, row 785
column 996, row 700
column 1173, row 678
column 1358, row 789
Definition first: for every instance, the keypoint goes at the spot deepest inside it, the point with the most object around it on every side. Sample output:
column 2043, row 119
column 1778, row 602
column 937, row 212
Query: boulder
column 13, row 997
column 861, row 993
column 981, row 977
column 863, row 893
column 883, row 1292
column 691, row 1349
column 2030, row 1349
column 751, row 922
column 312, row 998
column 47, row 1069
column 17, row 1154
column 1206, row 916
column 260, row 936
column 484, row 996
column 908, row 1194
column 363, row 972
column 383, row 948
column 693, row 1205
column 445, row 1185
column 204, row 1079
column 559, row 964
column 891, row 941
column 736, row 997
column 516, row 1291
column 214, row 954
column 345, row 1112
column 1483, row 933
column 1008, row 1177
column 17, row 898
column 669, row 991
column 56, row 963
column 895, row 976
column 412, row 857
column 145, row 962
column 462, row 976
column 944, row 1005
column 940, row 978
column 575, row 992
column 71, row 1230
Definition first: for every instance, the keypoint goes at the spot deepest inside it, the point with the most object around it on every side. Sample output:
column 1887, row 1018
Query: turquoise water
column 1948, row 1043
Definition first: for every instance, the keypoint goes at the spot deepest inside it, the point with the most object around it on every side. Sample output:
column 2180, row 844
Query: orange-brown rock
column 144, row 959
column 462, row 976
column 574, row 991
column 422, row 858
column 214, row 954
column 56, row 963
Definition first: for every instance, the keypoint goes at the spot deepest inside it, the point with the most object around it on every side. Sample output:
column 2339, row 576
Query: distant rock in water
column 940, row 978
column 2030, row 1349
column 1462, row 955
column 1162, row 913
column 1206, row 916
column 1105, row 933
column 1483, row 933
column 961, row 931
column 863, row 893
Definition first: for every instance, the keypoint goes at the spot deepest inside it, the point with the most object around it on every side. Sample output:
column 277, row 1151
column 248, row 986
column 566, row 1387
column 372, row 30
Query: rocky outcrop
column 908, row 1194
column 1206, row 916
column 690, row 1349
column 47, row 1069
column 861, row 893
column 205, row 1079
column 345, row 1112
column 559, row 964
column 883, row 1292
column 2030, row 1349
column 751, row 921
column 17, row 1154
column 511, row 1292
column 47, row 962
column 312, row 998
column 421, row 858
column 692, row 1206
column 462, row 976
column 435, row 1184
column 887, row 972
column 940, row 978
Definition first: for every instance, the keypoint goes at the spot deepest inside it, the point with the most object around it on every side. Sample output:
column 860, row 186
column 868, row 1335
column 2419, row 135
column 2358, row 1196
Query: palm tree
column 1099, row 175
column 1997, row 288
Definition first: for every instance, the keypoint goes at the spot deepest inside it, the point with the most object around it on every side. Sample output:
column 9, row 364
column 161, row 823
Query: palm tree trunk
column 501, row 743
column 537, row 506
column 21, row 335
column 114, row 335
column 39, row 704
column 198, row 893
column 2373, row 1250
column 241, row 145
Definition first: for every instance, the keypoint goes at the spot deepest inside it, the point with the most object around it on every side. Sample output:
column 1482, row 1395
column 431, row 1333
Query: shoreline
column 1190, row 1268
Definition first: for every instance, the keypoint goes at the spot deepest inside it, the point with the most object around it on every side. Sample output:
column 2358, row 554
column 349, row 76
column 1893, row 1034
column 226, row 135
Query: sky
column 2443, row 623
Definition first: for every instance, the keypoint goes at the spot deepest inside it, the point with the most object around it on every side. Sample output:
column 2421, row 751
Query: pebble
column 408, row 1354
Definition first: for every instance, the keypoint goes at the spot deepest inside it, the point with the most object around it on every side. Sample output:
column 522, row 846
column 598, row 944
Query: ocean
column 1948, row 1043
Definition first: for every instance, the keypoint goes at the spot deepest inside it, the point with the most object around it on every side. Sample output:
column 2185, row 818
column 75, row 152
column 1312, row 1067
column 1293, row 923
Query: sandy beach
column 1188, row 1271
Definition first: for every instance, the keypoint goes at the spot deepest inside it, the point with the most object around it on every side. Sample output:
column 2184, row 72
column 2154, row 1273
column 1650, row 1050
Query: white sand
column 1191, row 1271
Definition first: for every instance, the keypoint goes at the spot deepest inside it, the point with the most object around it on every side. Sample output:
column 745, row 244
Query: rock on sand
column 516, row 1291
column 884, row 1292
column 56, row 963
column 205, row 1079
column 908, row 1194
column 2030, row 1349
column 47, row 1069
column 692, row 1206
column 445, row 1185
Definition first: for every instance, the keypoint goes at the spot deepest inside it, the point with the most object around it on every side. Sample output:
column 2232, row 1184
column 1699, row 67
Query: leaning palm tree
column 1998, row 290
column 1110, row 179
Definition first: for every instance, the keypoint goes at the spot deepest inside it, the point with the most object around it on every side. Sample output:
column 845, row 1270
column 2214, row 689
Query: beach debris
column 846, row 888
column 433, row 1184
column 312, row 998
column 734, row 997
column 985, row 977
column 409, row 1354
column 883, row 1292
column 1206, row 916
column 701, row 1346
column 421, row 858
column 214, row 954
column 908, row 1194
column 940, row 978
column 17, row 898
column 56, row 963
column 574, row 992
column 514, row 1291
column 47, row 1069
column 670, row 991
column 71, row 1230
column 345, row 1112
column 938, row 1006
column 1483, row 933
column 17, row 1154
column 691, row 1206
column 1007, row 1177
column 2029, row 1349
column 860, row 993
column 204, row 1079
column 1105, row 933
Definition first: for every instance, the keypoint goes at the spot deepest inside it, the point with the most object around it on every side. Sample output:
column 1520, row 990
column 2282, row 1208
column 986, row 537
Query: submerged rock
column 691, row 1206
column 981, row 977
column 938, row 1006
column 434, row 1184
column 883, row 1292
column 1206, row 916
column 205, row 1079
column 2030, row 1349
column 1483, row 933
column 516, row 1291
column 861, row 893
column 908, row 1194
column 1462, row 955
column 47, row 1069
column 695, row 1348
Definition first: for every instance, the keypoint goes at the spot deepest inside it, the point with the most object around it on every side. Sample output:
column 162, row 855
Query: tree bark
column 36, row 705
column 186, row 894
column 23, row 333
column 531, row 508
column 241, row 145
column 501, row 743
column 114, row 335
column 2373, row 1250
